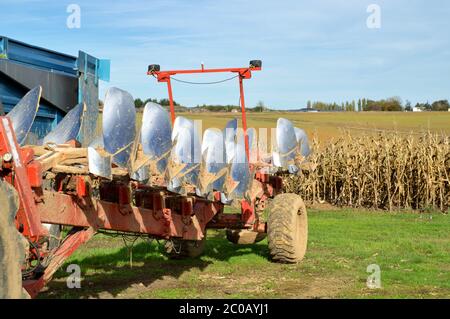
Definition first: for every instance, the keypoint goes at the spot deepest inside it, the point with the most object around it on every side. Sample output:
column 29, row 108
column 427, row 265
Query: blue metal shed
column 65, row 80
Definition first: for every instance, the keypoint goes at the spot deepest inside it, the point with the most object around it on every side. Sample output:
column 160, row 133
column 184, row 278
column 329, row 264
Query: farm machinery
column 164, row 180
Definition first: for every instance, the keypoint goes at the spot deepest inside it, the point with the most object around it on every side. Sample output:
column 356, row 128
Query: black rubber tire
column 182, row 249
column 287, row 229
column 11, row 245
column 244, row 236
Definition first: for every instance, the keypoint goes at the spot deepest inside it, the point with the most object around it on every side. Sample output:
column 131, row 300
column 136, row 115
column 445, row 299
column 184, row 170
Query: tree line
column 260, row 107
column 390, row 104
column 441, row 105
column 138, row 103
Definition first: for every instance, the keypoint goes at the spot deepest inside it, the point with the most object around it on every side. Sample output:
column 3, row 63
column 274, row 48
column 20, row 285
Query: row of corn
column 381, row 171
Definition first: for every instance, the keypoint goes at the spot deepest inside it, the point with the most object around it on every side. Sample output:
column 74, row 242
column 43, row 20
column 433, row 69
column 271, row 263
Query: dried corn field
column 383, row 171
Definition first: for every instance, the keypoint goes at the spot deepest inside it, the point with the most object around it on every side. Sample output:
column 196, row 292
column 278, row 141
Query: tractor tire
column 244, row 236
column 287, row 229
column 182, row 249
column 12, row 250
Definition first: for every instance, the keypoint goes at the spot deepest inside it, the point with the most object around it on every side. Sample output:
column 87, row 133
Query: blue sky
column 311, row 50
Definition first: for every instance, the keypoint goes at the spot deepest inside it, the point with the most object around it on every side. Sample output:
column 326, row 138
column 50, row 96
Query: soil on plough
column 383, row 171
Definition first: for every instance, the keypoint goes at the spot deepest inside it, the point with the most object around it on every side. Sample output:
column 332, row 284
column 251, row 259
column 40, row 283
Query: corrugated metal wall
column 65, row 80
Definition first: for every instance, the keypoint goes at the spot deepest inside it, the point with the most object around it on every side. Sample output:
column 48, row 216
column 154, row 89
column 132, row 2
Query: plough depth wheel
column 180, row 249
column 287, row 229
column 244, row 236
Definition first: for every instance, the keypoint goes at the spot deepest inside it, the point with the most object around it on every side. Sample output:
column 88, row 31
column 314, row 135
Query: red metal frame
column 242, row 73
column 155, row 212
column 27, row 220
column 62, row 209
column 67, row 248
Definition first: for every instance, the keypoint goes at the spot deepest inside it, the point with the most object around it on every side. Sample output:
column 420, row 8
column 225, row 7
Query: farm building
column 65, row 80
column 305, row 109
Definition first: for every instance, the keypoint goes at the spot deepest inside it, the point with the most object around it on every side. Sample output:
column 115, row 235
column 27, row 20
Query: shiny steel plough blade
column 142, row 174
column 138, row 168
column 151, row 155
column 23, row 114
column 302, row 142
column 229, row 134
column 69, row 128
column 156, row 136
column 116, row 142
column 99, row 160
column 184, row 162
column 119, row 125
column 252, row 144
column 286, row 143
column 292, row 146
column 213, row 170
column 239, row 180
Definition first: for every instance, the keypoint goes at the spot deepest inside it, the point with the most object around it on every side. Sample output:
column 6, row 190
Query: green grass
column 412, row 252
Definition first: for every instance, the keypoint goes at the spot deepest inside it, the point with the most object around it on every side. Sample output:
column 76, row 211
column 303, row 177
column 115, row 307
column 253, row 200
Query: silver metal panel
column 286, row 143
column 156, row 134
column 240, row 171
column 142, row 174
column 69, row 128
column 119, row 125
column 302, row 142
column 23, row 114
column 99, row 161
column 88, row 93
column 276, row 160
column 57, row 88
column 229, row 134
column 213, row 170
column 184, row 164
column 252, row 143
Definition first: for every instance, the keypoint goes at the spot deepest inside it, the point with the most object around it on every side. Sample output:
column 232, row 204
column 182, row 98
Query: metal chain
column 201, row 83
column 129, row 239
column 204, row 83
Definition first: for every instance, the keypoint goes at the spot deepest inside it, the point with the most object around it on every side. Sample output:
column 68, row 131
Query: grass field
column 411, row 250
column 327, row 125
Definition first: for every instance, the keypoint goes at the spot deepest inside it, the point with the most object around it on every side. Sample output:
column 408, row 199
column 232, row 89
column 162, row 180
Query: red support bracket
column 28, row 216
column 242, row 73
column 70, row 244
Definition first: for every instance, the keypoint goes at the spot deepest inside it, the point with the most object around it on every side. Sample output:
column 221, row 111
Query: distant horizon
column 403, row 103
column 320, row 51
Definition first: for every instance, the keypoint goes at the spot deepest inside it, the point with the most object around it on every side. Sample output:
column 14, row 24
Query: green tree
column 138, row 103
column 391, row 104
column 260, row 107
column 364, row 104
column 408, row 106
column 441, row 105
column 166, row 102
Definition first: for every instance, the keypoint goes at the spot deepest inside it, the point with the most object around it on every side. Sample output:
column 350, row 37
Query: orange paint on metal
column 34, row 172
